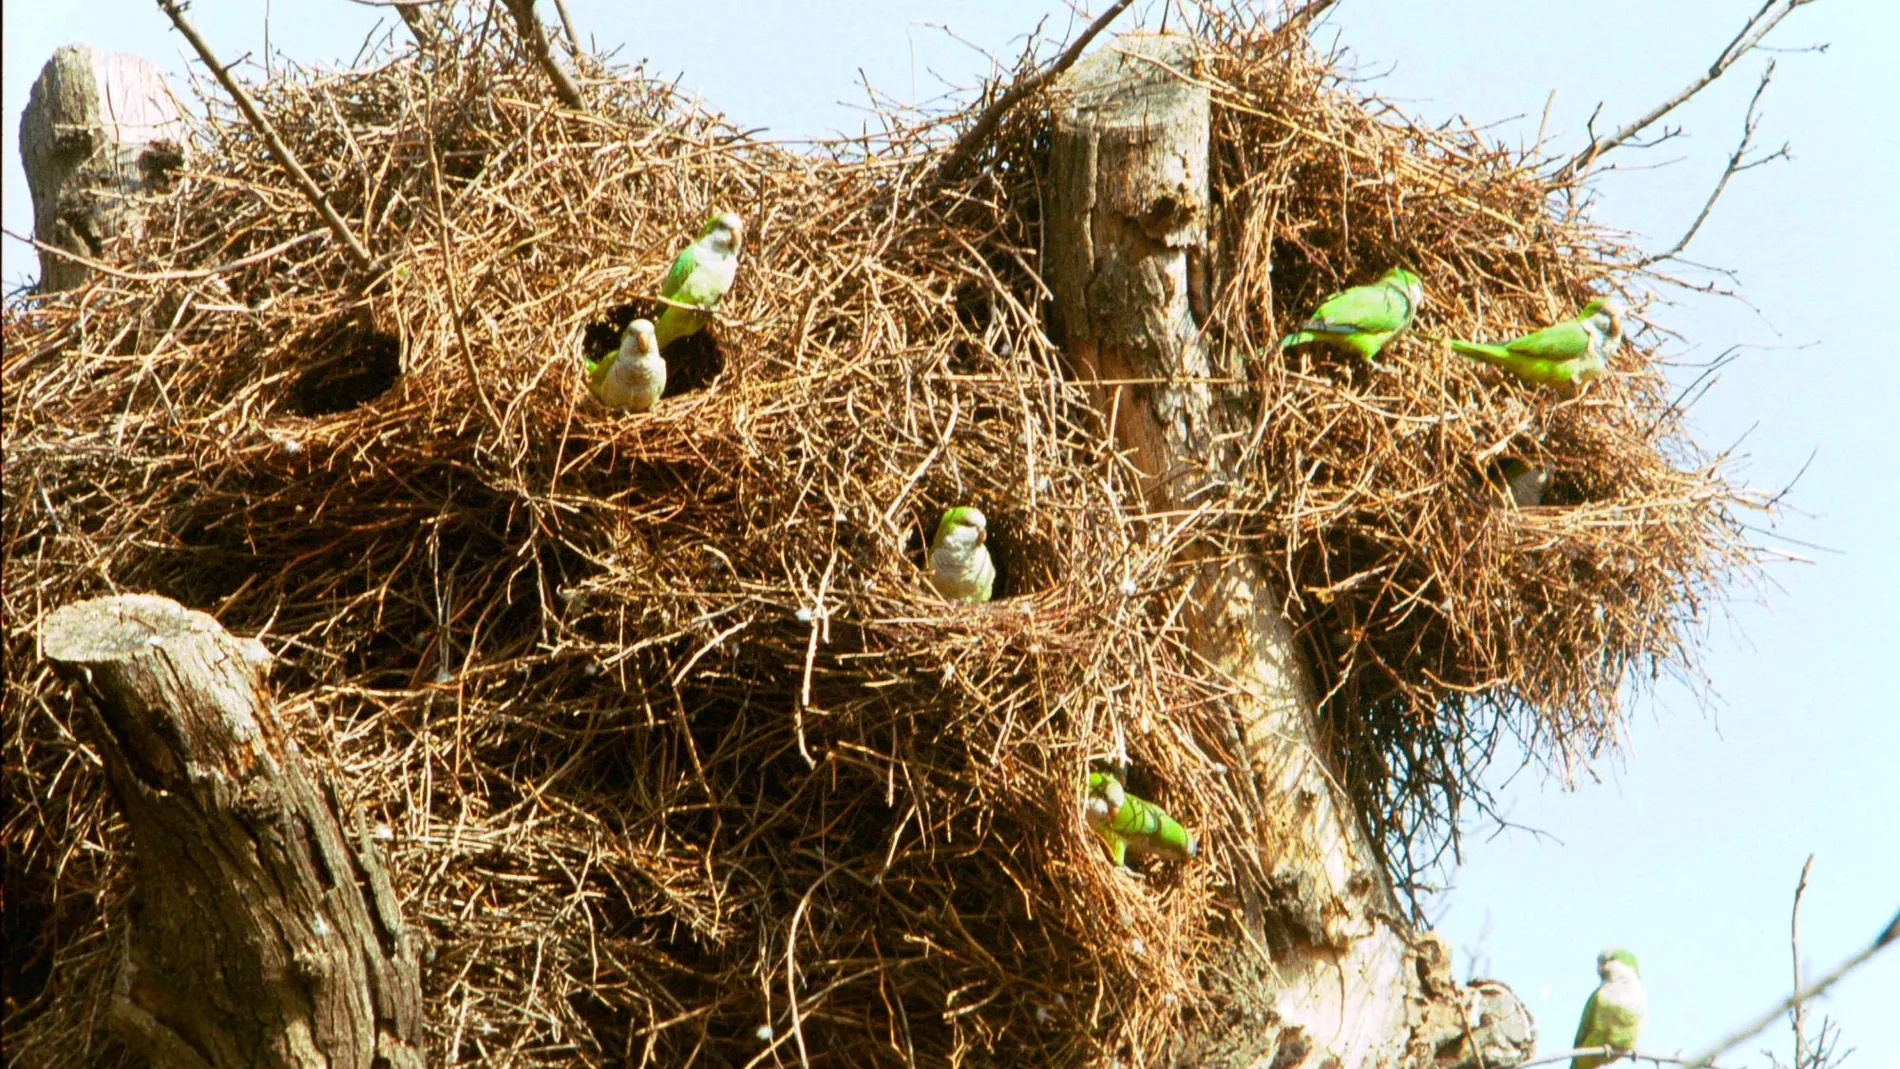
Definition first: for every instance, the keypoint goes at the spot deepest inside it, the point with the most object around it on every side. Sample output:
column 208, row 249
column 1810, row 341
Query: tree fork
column 258, row 936
column 1326, row 971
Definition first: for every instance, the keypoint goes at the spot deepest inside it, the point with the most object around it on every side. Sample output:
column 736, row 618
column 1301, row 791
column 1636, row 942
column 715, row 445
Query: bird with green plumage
column 1122, row 820
column 699, row 278
column 1564, row 355
column 960, row 567
column 1614, row 1013
column 1361, row 320
column 633, row 376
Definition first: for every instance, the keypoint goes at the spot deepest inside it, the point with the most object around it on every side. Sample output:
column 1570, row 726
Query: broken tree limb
column 1129, row 206
column 528, row 25
column 99, row 129
column 275, row 144
column 260, row 936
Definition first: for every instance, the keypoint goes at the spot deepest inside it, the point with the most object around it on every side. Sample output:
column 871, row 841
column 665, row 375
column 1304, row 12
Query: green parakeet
column 1122, row 820
column 700, row 277
column 632, row 376
column 1362, row 319
column 1566, row 355
column 960, row 564
column 1614, row 1013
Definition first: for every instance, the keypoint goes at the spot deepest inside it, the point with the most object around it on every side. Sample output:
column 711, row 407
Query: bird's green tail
column 1478, row 351
column 1300, row 338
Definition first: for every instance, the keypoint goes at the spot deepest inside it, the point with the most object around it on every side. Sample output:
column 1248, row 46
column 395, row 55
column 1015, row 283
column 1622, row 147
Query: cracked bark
column 260, row 935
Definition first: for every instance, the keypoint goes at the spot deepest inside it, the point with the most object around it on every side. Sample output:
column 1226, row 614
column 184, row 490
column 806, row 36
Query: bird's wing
column 1565, row 341
column 1363, row 309
column 1586, row 1026
column 682, row 268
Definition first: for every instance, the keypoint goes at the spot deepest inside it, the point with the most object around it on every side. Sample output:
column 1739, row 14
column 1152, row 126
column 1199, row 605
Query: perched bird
column 1565, row 355
column 1122, row 820
column 700, row 276
column 960, row 564
column 1362, row 319
column 1525, row 482
column 632, row 376
column 1614, row 1013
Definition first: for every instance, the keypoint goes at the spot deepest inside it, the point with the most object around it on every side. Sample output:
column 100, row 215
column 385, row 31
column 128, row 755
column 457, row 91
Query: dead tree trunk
column 259, row 936
column 1324, row 976
column 98, row 129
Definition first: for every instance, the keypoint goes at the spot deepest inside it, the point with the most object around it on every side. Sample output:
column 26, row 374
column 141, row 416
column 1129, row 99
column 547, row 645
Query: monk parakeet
column 1122, row 820
column 1525, row 482
column 1566, row 355
column 1614, row 1013
column 700, row 276
column 1362, row 319
column 960, row 565
column 632, row 376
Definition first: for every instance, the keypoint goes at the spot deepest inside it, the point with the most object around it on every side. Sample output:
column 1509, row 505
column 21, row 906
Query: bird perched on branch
column 632, row 376
column 699, row 278
column 1362, row 319
column 1614, row 1013
column 1565, row 355
column 1122, row 820
column 960, row 564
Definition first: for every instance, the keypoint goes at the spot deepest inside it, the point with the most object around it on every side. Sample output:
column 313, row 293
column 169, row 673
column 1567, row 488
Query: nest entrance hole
column 692, row 363
column 357, row 366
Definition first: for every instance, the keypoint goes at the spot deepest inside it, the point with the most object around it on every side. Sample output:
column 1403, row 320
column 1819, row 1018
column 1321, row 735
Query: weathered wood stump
column 99, row 128
column 1325, row 973
column 259, row 936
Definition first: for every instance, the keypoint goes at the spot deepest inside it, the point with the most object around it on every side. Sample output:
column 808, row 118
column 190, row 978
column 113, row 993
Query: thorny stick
column 278, row 150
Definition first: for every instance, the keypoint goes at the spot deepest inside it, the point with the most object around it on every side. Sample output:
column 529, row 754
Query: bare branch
column 1741, row 1035
column 1631, row 1056
column 1313, row 9
column 529, row 26
column 986, row 123
column 1797, row 1012
column 1737, row 163
column 278, row 150
column 567, row 28
column 1751, row 35
column 426, row 24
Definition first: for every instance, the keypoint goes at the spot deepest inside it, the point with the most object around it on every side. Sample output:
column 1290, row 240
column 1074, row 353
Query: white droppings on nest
column 764, row 1033
column 804, row 614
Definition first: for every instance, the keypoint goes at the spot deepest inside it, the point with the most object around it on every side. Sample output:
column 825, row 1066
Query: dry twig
column 984, row 127
column 278, row 150
column 1737, row 163
column 1752, row 33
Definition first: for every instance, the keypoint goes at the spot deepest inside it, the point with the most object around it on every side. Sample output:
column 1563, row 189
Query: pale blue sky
column 1688, row 849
